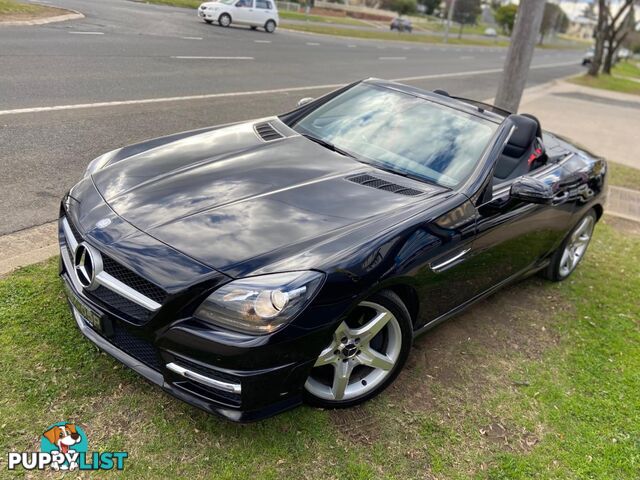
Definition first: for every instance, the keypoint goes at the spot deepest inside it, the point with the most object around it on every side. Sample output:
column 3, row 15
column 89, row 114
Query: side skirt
column 513, row 278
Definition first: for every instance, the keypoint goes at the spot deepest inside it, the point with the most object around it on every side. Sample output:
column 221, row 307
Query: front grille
column 112, row 300
column 133, row 280
column 135, row 346
column 374, row 182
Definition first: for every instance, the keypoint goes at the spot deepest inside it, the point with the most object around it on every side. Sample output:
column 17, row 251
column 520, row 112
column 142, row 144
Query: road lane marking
column 262, row 41
column 191, row 38
column 189, row 57
column 118, row 103
column 392, row 58
column 313, row 44
column 86, row 33
column 351, row 46
column 467, row 57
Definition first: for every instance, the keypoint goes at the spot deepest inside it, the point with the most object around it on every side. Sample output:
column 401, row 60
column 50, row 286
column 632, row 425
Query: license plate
column 95, row 319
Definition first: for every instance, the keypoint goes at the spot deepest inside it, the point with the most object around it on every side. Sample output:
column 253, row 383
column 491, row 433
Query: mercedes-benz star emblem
column 85, row 263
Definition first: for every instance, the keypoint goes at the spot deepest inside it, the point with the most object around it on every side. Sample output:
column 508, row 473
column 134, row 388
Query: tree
column 619, row 26
column 506, row 17
column 553, row 20
column 519, row 55
column 430, row 5
column 599, row 33
column 404, row 7
column 466, row 12
column 611, row 30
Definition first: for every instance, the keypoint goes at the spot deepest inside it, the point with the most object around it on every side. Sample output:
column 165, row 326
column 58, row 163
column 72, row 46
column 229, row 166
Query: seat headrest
column 525, row 133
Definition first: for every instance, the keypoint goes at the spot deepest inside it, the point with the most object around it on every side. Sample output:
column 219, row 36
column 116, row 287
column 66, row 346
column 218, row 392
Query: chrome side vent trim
column 267, row 132
column 374, row 182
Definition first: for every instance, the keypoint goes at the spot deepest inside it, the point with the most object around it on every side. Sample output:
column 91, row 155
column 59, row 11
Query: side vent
column 267, row 132
column 373, row 182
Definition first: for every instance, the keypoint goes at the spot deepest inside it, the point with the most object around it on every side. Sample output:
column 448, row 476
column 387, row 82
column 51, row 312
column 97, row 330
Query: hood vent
column 373, row 182
column 267, row 132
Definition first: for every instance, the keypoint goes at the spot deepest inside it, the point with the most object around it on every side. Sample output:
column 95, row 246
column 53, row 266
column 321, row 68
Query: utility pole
column 452, row 5
column 516, row 65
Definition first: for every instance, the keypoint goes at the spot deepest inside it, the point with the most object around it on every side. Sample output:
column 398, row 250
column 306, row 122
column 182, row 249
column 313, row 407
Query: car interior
column 524, row 150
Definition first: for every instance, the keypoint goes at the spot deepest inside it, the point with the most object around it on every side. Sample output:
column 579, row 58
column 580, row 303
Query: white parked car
column 255, row 13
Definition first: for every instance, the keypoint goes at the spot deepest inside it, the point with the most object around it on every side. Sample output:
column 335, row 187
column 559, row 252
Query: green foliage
column 430, row 5
column 506, row 17
column 404, row 7
column 466, row 12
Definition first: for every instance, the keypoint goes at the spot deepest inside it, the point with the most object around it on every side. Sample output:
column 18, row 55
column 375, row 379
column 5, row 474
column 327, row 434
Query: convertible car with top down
column 250, row 267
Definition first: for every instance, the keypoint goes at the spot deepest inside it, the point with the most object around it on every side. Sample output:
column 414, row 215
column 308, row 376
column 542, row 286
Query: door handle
column 440, row 267
column 560, row 198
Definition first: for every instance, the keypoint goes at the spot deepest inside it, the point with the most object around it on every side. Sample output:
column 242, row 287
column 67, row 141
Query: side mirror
column 531, row 190
column 305, row 100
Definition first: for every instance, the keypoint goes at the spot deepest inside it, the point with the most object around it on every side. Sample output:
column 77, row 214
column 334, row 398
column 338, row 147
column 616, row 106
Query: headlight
column 97, row 163
column 260, row 305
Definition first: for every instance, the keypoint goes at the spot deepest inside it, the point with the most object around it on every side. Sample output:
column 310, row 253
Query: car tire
column 567, row 257
column 366, row 353
column 224, row 20
column 270, row 26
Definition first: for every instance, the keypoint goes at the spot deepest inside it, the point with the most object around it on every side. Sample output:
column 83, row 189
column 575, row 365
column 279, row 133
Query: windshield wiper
column 328, row 145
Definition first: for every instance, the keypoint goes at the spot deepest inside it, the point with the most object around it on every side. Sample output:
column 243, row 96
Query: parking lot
column 128, row 71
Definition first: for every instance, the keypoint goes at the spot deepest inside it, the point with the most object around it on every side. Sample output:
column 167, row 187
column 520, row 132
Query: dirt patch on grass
column 474, row 352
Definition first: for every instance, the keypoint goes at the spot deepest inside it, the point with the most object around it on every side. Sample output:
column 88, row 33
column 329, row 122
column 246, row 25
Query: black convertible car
column 245, row 268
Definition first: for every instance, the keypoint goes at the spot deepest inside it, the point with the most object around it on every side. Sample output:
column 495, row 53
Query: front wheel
column 270, row 26
column 366, row 353
column 224, row 20
column 565, row 260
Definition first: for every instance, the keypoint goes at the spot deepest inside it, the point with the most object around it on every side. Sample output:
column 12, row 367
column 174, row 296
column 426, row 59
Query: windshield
column 227, row 2
column 402, row 133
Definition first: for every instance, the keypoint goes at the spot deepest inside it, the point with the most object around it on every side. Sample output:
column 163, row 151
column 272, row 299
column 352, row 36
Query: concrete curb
column 74, row 15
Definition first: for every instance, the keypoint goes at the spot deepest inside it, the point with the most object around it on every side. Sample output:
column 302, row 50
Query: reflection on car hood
column 226, row 196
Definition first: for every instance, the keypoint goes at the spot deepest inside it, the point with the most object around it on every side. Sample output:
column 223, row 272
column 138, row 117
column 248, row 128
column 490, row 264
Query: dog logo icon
column 67, row 439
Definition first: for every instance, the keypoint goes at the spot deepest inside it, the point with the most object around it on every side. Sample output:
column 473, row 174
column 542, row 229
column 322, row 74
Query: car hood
column 225, row 197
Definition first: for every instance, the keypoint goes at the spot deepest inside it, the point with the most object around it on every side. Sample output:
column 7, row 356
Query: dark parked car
column 401, row 25
column 246, row 267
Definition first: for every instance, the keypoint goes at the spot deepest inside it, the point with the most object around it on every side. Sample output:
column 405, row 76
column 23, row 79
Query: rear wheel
column 568, row 256
column 224, row 20
column 365, row 354
column 270, row 26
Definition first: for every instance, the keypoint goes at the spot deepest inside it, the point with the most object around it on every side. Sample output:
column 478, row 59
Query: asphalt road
column 55, row 80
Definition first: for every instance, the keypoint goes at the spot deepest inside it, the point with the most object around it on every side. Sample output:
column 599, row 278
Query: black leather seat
column 515, row 158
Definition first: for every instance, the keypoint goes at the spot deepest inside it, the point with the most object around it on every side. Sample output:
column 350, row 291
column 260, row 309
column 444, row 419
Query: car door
column 513, row 236
column 243, row 11
column 262, row 12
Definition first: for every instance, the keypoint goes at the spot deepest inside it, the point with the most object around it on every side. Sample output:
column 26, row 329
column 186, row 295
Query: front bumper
column 188, row 362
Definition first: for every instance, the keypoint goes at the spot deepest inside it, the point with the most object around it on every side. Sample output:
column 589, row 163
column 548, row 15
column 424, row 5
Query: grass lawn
column 286, row 15
column 387, row 35
column 538, row 381
column 616, row 81
column 12, row 10
column 623, row 176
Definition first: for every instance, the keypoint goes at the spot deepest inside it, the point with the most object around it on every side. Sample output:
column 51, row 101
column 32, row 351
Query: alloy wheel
column 362, row 353
column 576, row 246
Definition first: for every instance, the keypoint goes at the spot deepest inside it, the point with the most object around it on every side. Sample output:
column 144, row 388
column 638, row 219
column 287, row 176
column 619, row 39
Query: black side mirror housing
column 531, row 190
